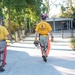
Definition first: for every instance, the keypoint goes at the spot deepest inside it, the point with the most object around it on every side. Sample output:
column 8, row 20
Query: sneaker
column 1, row 69
column 44, row 58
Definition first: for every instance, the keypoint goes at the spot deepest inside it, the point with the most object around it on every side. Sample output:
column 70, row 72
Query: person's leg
column 1, row 60
column 46, row 43
column 48, row 49
column 2, row 46
column 4, row 59
column 42, row 43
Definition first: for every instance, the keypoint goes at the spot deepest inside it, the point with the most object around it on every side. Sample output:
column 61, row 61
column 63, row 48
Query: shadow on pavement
column 21, row 63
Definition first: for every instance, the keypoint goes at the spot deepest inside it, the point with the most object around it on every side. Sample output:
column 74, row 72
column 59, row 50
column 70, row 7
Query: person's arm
column 36, row 32
column 52, row 38
column 36, row 35
column 51, row 34
column 9, row 37
column 6, row 33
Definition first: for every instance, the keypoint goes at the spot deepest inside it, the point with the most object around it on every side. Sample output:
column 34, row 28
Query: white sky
column 53, row 9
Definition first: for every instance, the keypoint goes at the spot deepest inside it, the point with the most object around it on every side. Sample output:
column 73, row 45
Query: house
column 60, row 23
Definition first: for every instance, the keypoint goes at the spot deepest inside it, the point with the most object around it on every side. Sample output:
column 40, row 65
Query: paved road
column 24, row 59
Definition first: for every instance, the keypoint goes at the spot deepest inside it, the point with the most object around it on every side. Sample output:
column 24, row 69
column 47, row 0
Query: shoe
column 1, row 69
column 44, row 58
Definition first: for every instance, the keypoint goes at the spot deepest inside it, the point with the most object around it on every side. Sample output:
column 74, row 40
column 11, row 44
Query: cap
column 44, row 16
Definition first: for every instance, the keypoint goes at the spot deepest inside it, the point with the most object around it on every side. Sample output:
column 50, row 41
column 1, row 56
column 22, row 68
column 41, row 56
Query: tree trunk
column 9, row 25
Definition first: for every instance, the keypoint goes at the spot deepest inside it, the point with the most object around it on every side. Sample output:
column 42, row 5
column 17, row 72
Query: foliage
column 68, row 11
column 16, row 13
column 72, row 42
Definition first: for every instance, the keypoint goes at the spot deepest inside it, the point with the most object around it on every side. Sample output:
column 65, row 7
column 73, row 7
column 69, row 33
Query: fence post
column 62, row 29
column 72, row 33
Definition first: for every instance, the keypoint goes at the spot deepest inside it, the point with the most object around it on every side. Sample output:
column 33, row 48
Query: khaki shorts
column 43, row 42
column 2, row 45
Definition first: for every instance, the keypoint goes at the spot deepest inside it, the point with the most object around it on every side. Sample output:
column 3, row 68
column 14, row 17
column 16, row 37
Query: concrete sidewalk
column 24, row 59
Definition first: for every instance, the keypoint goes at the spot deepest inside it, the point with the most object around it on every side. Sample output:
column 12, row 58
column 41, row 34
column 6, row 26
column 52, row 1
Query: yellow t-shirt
column 3, row 32
column 43, row 28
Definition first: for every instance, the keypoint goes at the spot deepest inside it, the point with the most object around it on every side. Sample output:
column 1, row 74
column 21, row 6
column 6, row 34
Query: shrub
column 72, row 43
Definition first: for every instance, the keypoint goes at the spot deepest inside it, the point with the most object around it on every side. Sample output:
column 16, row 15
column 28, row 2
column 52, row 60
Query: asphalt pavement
column 24, row 59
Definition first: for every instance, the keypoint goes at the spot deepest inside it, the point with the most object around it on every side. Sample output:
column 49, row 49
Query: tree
column 69, row 10
column 16, row 12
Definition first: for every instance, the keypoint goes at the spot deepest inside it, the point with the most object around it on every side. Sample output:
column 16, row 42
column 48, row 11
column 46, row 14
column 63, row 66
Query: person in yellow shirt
column 3, row 34
column 43, row 29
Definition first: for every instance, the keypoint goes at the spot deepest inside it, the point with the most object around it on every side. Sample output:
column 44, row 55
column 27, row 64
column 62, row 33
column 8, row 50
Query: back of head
column 43, row 16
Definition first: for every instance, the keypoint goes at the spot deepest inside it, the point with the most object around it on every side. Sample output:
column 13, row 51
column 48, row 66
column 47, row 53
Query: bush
column 72, row 42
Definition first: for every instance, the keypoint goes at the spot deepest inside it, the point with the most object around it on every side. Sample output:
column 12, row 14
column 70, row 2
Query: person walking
column 3, row 34
column 43, row 30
